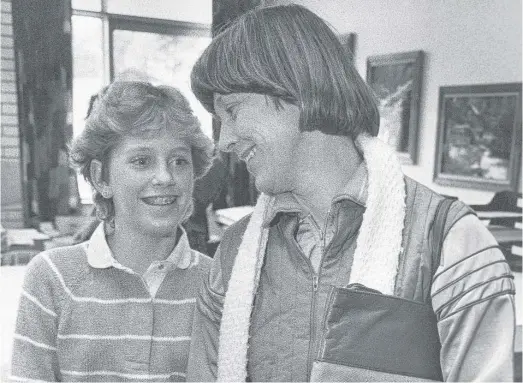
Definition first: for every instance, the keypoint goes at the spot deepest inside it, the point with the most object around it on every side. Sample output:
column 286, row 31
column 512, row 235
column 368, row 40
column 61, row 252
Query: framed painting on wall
column 479, row 136
column 348, row 40
column 396, row 82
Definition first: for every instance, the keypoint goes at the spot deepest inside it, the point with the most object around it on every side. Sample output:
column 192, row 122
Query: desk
column 505, row 234
column 497, row 214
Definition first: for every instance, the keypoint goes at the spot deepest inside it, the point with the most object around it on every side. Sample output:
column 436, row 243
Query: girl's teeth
column 160, row 200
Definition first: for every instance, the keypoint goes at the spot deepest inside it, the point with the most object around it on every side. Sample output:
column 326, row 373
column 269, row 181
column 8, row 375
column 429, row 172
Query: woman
column 119, row 307
column 334, row 276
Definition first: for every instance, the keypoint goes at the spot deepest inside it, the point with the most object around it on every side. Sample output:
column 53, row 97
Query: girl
column 119, row 307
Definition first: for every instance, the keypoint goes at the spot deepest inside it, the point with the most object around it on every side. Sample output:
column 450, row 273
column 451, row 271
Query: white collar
column 100, row 256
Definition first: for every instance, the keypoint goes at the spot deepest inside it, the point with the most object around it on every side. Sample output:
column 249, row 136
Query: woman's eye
column 232, row 111
column 181, row 161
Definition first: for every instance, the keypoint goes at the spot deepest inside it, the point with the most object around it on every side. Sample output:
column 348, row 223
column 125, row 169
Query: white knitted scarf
column 375, row 263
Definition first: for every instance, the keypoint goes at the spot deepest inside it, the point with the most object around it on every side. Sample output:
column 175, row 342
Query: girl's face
column 151, row 179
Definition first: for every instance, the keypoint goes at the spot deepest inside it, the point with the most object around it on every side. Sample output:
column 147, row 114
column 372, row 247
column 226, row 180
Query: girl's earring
column 106, row 193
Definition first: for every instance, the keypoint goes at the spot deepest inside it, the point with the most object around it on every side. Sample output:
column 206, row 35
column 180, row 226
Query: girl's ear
column 96, row 178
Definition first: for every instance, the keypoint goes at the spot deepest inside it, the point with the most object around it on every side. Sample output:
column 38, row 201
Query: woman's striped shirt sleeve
column 473, row 298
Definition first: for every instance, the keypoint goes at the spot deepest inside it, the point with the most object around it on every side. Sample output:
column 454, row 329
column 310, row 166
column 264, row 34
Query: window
column 88, row 68
column 120, row 39
column 160, row 59
column 88, row 76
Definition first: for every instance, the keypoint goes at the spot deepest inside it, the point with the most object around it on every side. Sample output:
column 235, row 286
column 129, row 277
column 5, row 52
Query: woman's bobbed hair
column 289, row 53
column 133, row 108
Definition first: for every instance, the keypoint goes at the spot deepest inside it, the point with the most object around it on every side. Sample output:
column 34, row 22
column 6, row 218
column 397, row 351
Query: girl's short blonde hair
column 133, row 108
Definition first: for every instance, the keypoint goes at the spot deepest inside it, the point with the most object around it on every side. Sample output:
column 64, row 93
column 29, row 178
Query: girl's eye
column 140, row 161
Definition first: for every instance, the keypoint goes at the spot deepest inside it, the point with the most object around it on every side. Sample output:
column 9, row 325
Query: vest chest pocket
column 368, row 336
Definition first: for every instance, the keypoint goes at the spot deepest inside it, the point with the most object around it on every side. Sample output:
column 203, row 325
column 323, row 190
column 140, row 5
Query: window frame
column 112, row 22
column 148, row 25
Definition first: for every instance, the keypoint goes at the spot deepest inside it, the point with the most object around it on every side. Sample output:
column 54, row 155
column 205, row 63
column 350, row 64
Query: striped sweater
column 82, row 317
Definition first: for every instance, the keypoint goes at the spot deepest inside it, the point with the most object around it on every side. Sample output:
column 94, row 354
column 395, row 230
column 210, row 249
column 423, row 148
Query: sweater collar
column 100, row 256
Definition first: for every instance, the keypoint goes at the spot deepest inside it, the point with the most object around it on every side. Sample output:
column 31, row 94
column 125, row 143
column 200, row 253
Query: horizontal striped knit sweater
column 80, row 323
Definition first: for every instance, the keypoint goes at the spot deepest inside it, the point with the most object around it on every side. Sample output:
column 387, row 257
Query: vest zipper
column 312, row 329
column 315, row 285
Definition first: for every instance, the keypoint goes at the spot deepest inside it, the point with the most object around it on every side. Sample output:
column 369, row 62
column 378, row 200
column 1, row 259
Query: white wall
column 465, row 42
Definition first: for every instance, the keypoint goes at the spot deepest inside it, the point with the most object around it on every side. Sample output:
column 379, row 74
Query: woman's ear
column 96, row 170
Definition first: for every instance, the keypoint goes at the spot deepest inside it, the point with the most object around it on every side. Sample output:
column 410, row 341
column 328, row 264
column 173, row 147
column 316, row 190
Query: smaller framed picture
column 396, row 82
column 348, row 41
column 479, row 136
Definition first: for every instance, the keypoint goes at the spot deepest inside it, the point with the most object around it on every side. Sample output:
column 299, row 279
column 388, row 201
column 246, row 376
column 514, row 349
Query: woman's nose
column 227, row 139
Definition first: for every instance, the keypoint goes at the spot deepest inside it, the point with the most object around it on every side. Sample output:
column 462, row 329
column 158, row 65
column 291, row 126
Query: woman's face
column 152, row 182
column 265, row 137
